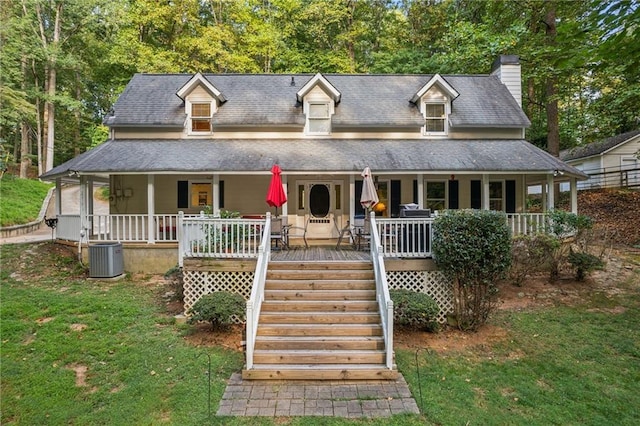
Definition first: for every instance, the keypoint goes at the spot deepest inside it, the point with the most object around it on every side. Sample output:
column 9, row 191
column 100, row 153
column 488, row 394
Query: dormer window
column 201, row 101
column 319, row 118
column 435, row 118
column 434, row 100
column 319, row 99
column 200, row 117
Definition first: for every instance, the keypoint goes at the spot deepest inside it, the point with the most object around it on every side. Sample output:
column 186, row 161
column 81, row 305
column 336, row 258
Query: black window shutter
column 476, row 194
column 415, row 191
column 395, row 198
column 453, row 195
column 358, row 210
column 510, row 194
column 221, row 191
column 183, row 194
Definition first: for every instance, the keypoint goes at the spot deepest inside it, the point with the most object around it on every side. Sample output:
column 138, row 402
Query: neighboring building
column 611, row 163
column 181, row 142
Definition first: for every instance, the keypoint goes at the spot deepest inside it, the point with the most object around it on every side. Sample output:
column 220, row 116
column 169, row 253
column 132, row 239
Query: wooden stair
column 320, row 321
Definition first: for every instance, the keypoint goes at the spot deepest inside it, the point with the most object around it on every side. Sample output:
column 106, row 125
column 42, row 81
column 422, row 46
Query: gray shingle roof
column 270, row 99
column 598, row 147
column 313, row 155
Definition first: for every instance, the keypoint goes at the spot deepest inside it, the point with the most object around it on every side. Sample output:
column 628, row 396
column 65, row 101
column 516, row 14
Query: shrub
column 473, row 249
column 176, row 278
column 531, row 254
column 217, row 308
column 584, row 263
column 415, row 310
column 562, row 225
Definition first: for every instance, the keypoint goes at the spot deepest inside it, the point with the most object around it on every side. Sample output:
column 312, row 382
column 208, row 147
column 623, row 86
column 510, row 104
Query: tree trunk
column 50, row 75
column 551, row 89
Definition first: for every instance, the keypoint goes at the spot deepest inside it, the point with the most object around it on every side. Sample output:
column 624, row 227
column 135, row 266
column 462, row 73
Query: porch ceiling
column 313, row 155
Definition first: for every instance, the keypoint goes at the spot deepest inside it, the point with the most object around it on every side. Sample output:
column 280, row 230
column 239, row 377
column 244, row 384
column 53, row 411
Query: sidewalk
column 70, row 205
column 42, row 234
column 351, row 399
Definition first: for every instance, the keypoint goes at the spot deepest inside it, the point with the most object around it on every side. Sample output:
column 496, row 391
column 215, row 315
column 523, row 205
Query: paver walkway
column 361, row 398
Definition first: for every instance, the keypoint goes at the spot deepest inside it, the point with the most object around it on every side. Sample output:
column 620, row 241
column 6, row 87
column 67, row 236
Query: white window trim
column 212, row 110
column 447, row 111
column 307, row 128
column 446, row 192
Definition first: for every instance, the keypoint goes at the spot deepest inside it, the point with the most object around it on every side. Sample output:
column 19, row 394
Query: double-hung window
column 435, row 118
column 496, row 196
column 436, row 192
column 318, row 118
column 201, row 117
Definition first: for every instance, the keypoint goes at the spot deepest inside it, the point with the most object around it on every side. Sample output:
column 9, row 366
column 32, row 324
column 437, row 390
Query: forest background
column 64, row 63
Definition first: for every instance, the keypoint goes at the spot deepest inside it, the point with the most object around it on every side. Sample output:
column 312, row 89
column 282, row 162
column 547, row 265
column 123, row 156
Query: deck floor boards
column 319, row 253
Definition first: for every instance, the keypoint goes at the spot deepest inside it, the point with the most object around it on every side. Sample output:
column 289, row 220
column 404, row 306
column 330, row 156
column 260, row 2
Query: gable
column 200, row 83
column 318, row 82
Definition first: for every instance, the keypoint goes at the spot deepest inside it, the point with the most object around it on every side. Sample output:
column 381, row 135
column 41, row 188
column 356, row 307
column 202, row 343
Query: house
column 181, row 144
column 610, row 163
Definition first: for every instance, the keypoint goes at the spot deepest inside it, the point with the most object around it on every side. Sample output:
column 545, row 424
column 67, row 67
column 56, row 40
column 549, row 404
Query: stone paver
column 350, row 399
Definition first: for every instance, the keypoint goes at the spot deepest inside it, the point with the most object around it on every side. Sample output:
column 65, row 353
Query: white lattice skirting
column 432, row 283
column 199, row 283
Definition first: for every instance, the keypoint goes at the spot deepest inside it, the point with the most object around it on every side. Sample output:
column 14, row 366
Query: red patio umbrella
column 276, row 196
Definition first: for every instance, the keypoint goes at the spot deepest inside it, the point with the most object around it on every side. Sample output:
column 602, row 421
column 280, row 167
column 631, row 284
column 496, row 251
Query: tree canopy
column 63, row 64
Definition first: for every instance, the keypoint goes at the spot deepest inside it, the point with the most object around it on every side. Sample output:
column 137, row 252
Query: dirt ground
column 535, row 292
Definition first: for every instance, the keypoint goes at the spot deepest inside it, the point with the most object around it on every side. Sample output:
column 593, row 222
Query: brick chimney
column 507, row 69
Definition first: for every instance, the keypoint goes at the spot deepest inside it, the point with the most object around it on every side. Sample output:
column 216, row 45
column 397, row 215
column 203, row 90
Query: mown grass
column 20, row 199
column 558, row 365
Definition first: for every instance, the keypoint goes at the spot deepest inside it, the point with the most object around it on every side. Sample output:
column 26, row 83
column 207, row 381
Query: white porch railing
column 254, row 304
column 385, row 304
column 406, row 237
column 527, row 223
column 119, row 227
column 222, row 238
column 201, row 236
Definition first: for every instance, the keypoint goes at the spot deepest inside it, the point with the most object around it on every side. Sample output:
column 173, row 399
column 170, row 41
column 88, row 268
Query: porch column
column 485, row 192
column 58, row 196
column 543, row 196
column 83, row 208
column 151, row 209
column 573, row 184
column 285, row 186
column 215, row 203
column 352, row 197
column 550, row 193
column 525, row 194
column 420, row 178
column 90, row 196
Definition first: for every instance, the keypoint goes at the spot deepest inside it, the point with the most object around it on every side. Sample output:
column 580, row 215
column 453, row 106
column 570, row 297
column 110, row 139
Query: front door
column 320, row 208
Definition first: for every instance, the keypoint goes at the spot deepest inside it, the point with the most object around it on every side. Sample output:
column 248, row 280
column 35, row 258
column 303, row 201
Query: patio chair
column 362, row 233
column 296, row 232
column 346, row 231
column 279, row 232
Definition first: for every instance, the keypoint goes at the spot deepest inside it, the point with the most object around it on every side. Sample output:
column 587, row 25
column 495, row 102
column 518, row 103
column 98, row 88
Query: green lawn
column 20, row 199
column 558, row 365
